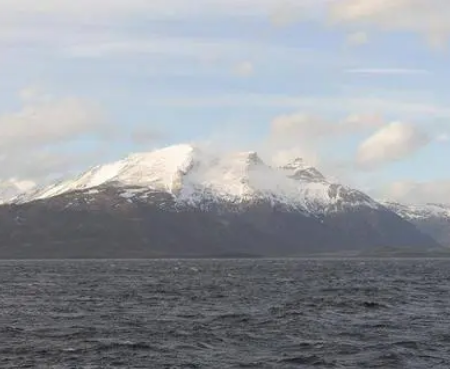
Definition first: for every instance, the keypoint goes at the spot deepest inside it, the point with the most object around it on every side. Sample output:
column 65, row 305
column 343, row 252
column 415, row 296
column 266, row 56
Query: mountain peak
column 250, row 158
column 193, row 176
column 309, row 174
column 295, row 164
column 171, row 156
column 299, row 171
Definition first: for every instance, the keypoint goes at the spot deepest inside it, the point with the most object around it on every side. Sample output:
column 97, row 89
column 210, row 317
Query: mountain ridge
column 189, row 174
column 431, row 219
column 186, row 201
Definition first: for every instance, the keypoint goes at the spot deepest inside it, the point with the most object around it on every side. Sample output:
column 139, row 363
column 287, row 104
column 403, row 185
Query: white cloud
column 296, row 135
column 430, row 18
column 286, row 12
column 443, row 137
column 22, row 185
column 96, row 28
column 86, row 9
column 427, row 17
column 41, row 123
column 395, row 141
column 93, row 28
column 281, row 157
column 389, row 71
column 437, row 191
column 299, row 125
column 358, row 38
column 211, row 51
column 12, row 187
column 360, row 122
column 35, row 141
column 174, row 46
column 50, row 137
column 301, row 135
column 283, row 15
column 244, row 69
column 364, row 105
column 39, row 164
column 17, row 185
column 31, row 93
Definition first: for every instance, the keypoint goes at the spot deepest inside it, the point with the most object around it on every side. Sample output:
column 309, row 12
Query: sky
column 358, row 88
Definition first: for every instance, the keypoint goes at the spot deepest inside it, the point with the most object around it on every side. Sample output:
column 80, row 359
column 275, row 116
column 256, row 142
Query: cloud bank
column 393, row 142
column 414, row 192
column 428, row 18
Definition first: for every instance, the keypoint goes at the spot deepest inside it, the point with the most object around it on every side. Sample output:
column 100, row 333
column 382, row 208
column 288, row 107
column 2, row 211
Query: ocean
column 225, row 314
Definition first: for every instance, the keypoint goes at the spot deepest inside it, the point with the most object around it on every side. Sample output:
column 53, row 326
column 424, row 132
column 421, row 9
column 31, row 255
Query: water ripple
column 225, row 314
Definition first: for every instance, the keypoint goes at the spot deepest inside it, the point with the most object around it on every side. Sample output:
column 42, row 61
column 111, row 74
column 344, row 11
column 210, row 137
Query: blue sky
column 358, row 87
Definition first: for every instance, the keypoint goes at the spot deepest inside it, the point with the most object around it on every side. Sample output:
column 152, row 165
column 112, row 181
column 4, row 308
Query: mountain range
column 184, row 201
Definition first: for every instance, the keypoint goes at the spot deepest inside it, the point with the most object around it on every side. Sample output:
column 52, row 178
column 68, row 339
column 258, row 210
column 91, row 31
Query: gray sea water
column 225, row 314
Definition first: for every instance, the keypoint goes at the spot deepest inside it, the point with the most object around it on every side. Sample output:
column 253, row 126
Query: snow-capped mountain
column 433, row 219
column 193, row 176
column 320, row 195
column 186, row 201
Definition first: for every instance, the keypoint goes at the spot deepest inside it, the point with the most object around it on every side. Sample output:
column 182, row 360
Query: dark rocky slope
column 105, row 224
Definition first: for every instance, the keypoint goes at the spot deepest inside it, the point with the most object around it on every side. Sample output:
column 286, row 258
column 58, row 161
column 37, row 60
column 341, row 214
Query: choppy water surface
column 225, row 314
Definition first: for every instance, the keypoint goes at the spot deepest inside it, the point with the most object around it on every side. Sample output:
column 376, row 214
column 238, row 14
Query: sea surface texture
column 225, row 314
